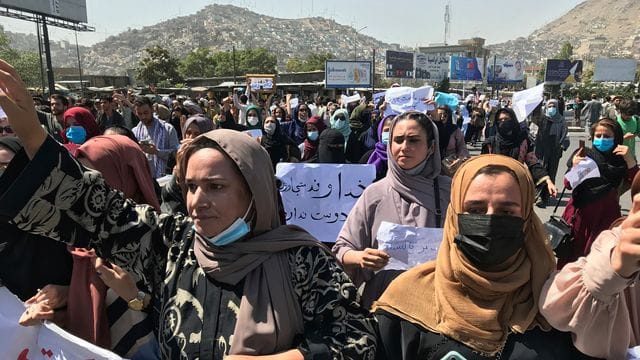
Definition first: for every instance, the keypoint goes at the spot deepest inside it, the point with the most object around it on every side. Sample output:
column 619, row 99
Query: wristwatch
column 139, row 302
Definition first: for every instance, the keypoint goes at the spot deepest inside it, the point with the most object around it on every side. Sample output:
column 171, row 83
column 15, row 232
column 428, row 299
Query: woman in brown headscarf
column 226, row 280
column 479, row 298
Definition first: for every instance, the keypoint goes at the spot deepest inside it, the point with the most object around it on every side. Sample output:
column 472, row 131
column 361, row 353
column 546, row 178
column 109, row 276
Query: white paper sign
column 525, row 101
column 293, row 103
column 403, row 98
column 408, row 246
column 633, row 353
column 40, row 342
column 378, row 96
column 585, row 169
column 318, row 197
column 494, row 103
column 254, row 133
column 349, row 99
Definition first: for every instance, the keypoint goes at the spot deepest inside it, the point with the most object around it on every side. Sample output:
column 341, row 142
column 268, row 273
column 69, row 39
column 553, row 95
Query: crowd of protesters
column 153, row 226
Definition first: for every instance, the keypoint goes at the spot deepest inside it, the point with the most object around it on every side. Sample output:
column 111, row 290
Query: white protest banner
column 4, row 115
column 378, row 96
column 584, row 170
column 408, row 246
column 261, row 82
column 494, row 103
column 525, row 101
column 254, row 133
column 318, row 197
column 293, row 103
column 403, row 98
column 46, row 341
column 349, row 99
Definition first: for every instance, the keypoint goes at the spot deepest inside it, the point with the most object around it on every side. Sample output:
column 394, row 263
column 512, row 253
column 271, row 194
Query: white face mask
column 279, row 119
column 252, row 120
column 270, row 128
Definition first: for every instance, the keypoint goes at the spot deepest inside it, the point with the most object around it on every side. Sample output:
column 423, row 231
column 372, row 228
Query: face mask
column 236, row 231
column 252, row 120
column 503, row 104
column 312, row 135
column 339, row 124
column 385, row 137
column 603, row 144
column 270, row 128
column 488, row 240
column 506, row 128
column 551, row 112
column 76, row 134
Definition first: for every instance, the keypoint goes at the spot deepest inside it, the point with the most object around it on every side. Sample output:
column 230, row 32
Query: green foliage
column 310, row 63
column 26, row 63
column 566, row 52
column 158, row 65
column 247, row 61
column 198, row 63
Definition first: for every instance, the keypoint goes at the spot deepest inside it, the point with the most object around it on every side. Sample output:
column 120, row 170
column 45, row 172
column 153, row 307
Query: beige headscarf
column 450, row 296
column 270, row 315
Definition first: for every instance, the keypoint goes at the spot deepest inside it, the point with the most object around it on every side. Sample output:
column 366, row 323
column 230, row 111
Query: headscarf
column 451, row 297
column 204, row 123
column 192, row 107
column 274, row 143
column 83, row 118
column 246, row 117
column 163, row 112
column 311, row 147
column 360, row 118
column 508, row 143
column 446, row 128
column 379, row 155
column 345, row 130
column 123, row 166
column 416, row 188
column 269, row 316
column 329, row 149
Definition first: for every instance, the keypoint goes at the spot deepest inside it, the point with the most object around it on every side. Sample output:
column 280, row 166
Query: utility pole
column 234, row 64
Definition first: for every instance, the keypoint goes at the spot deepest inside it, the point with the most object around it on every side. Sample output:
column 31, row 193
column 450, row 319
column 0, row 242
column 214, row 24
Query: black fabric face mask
column 488, row 240
column 506, row 128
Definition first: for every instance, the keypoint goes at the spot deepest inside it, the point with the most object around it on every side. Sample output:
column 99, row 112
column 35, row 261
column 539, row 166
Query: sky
column 406, row 22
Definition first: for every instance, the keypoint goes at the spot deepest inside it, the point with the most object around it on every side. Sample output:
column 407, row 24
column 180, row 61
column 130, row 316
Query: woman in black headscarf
column 513, row 141
column 276, row 143
column 330, row 148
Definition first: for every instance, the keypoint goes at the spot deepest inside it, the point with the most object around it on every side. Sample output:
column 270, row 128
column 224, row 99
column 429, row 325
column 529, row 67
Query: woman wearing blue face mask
column 594, row 203
column 352, row 147
column 553, row 133
column 309, row 147
column 378, row 156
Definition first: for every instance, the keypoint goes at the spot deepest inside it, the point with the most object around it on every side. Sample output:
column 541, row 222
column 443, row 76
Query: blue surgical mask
column 385, row 137
column 76, row 134
column 339, row 124
column 551, row 112
column 603, row 144
column 312, row 135
column 236, row 231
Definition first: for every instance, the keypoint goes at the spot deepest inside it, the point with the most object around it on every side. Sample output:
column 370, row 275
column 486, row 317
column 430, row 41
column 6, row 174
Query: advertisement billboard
column 399, row 64
column 563, row 71
column 347, row 74
column 431, row 67
column 466, row 68
column 619, row 70
column 72, row 10
column 505, row 70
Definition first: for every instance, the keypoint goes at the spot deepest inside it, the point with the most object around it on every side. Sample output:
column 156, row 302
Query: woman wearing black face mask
column 479, row 298
column 513, row 141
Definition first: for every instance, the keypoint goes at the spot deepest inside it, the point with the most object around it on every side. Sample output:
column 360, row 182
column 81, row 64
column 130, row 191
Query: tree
column 198, row 63
column 566, row 52
column 310, row 63
column 158, row 66
column 26, row 63
column 247, row 61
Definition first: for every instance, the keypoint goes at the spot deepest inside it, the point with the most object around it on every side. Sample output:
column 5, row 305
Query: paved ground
column 575, row 137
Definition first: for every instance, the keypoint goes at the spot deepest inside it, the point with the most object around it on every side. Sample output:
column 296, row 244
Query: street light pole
column 234, row 64
column 355, row 43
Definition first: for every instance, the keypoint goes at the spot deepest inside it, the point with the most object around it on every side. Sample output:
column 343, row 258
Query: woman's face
column 442, row 115
column 603, row 132
column 278, row 113
column 387, row 125
column 493, row 195
column 270, row 120
column 311, row 127
column 252, row 112
column 409, row 145
column 216, row 192
column 192, row 131
column 303, row 112
column 71, row 121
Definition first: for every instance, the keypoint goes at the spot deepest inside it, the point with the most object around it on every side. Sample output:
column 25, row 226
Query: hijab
column 446, row 128
column 274, row 143
column 204, row 123
column 269, row 316
column 345, row 130
column 11, row 143
column 83, row 118
column 311, row 147
column 259, row 112
column 379, row 155
column 451, row 297
column 123, row 166
column 509, row 136
column 331, row 147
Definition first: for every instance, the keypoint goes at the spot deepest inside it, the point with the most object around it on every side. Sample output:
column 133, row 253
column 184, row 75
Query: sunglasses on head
column 6, row 129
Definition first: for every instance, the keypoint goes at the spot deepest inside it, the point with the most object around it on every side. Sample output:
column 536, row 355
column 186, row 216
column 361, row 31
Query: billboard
column 563, row 71
column 72, row 10
column 399, row 64
column 466, row 68
column 431, row 67
column 347, row 74
column 505, row 71
column 620, row 70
